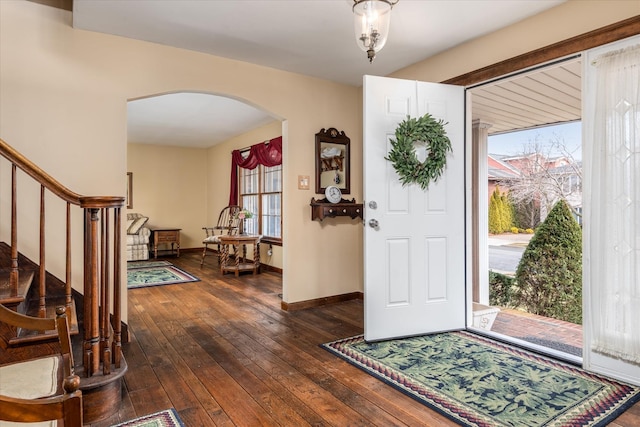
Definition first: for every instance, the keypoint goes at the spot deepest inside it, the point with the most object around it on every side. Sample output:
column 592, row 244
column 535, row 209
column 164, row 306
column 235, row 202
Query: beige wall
column 64, row 94
column 219, row 161
column 64, row 105
column 170, row 187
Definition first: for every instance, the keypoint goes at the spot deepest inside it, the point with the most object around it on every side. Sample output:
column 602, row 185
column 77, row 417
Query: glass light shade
column 371, row 24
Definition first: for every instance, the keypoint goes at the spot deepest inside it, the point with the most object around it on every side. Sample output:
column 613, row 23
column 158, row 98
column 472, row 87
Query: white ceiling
column 312, row 37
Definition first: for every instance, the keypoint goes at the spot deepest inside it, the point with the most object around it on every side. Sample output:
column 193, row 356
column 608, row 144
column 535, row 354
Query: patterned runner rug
column 156, row 275
column 476, row 381
column 166, row 418
column 150, row 263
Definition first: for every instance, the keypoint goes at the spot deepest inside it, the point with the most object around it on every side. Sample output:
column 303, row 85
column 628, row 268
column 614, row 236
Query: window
column 256, row 184
column 261, row 193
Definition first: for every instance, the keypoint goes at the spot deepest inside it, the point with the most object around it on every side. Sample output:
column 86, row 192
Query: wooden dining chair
column 45, row 389
column 227, row 224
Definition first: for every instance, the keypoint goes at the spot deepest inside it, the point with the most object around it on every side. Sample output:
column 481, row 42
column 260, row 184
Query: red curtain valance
column 267, row 153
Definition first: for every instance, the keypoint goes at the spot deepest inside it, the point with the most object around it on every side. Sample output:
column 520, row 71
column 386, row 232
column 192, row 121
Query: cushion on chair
column 137, row 224
column 40, row 424
column 31, row 379
column 212, row 239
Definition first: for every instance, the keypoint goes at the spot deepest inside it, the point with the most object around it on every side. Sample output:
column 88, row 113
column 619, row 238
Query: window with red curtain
column 256, row 185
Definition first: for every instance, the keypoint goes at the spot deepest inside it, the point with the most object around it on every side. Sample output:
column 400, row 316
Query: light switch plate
column 303, row 182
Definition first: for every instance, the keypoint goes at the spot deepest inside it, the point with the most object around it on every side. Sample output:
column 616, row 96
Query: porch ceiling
column 542, row 97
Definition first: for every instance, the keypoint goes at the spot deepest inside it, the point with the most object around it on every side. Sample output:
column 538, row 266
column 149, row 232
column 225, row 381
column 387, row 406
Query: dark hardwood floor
column 223, row 353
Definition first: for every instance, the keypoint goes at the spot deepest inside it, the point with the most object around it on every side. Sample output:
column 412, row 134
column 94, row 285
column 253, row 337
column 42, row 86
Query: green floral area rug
column 166, row 418
column 156, row 275
column 476, row 381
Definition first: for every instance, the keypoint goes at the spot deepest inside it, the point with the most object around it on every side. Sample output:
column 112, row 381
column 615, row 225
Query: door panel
column 414, row 257
column 398, row 253
column 436, row 257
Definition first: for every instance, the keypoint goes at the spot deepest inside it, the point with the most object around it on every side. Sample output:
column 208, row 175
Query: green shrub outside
column 506, row 211
column 521, row 230
column 501, row 289
column 500, row 212
column 549, row 274
column 526, row 214
column 495, row 226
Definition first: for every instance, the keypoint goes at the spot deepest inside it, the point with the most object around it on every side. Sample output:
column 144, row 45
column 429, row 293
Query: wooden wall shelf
column 320, row 209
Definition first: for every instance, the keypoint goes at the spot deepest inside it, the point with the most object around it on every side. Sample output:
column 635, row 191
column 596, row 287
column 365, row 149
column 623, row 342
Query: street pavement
column 505, row 251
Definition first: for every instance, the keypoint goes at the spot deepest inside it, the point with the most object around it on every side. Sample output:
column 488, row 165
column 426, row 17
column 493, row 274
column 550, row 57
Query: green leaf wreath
column 425, row 131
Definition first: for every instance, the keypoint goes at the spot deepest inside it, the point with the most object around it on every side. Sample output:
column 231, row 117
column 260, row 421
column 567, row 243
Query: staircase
column 26, row 299
column 93, row 304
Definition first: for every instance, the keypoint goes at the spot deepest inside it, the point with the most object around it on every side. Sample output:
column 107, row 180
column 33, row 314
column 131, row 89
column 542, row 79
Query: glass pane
column 250, row 203
column 272, row 178
column 271, row 216
column 271, row 204
column 249, row 181
column 251, row 226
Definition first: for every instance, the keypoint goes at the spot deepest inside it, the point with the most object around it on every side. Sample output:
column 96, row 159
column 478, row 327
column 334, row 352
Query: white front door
column 415, row 256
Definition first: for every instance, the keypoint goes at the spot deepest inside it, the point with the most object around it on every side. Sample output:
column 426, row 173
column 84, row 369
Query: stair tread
column 9, row 296
column 28, row 336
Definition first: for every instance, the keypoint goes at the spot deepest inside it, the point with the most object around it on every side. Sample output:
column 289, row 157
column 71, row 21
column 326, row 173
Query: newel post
column 117, row 303
column 91, row 358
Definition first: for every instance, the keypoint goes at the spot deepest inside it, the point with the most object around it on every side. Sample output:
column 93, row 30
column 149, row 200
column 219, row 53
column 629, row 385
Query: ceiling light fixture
column 372, row 19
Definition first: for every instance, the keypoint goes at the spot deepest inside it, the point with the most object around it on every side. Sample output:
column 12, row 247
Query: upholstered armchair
column 137, row 237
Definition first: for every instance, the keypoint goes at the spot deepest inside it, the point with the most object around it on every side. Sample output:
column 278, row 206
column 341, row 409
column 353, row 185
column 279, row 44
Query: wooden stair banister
column 101, row 264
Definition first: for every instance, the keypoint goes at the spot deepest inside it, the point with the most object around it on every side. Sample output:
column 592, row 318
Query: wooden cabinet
column 320, row 209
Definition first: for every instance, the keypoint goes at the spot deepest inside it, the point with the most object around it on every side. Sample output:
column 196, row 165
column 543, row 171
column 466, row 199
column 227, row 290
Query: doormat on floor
column 476, row 381
column 166, row 418
column 554, row 344
column 156, row 276
column 150, row 263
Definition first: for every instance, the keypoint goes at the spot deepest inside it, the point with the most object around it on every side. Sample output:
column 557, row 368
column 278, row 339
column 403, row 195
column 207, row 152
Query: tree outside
column 500, row 212
column 549, row 276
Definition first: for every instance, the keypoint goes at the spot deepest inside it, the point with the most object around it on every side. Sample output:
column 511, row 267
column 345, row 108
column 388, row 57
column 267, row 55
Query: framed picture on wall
column 129, row 197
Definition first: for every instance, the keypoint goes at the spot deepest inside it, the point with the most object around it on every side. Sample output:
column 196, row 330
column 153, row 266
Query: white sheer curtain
column 613, row 167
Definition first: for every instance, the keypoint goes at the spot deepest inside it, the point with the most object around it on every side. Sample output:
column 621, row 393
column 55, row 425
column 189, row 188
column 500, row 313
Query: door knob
column 373, row 204
column 373, row 223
